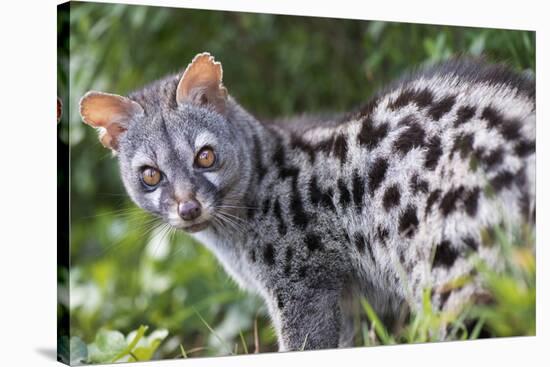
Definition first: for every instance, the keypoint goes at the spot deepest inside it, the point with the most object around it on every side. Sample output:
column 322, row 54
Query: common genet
column 312, row 214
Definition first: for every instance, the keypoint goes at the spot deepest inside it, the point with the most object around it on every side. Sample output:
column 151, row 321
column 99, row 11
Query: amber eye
column 205, row 158
column 150, row 176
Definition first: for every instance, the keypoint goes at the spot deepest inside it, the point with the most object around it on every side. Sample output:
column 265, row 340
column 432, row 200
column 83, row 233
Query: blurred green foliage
column 127, row 271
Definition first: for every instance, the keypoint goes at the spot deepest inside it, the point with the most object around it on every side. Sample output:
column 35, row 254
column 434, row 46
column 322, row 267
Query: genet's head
column 176, row 147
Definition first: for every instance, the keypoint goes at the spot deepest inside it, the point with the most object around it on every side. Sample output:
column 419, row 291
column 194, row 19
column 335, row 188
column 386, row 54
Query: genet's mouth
column 196, row 227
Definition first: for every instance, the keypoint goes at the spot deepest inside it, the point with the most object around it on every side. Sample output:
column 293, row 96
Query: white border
column 28, row 181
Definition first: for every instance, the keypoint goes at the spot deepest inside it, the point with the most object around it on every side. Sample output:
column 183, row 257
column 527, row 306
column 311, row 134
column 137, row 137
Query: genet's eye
column 205, row 158
column 151, row 176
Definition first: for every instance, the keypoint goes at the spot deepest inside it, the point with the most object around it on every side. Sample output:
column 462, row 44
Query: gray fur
column 301, row 216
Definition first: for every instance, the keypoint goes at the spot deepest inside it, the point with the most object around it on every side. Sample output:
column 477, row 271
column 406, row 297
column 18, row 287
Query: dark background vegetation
column 124, row 273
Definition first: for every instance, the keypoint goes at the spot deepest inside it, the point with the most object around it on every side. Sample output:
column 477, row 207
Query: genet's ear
column 201, row 83
column 110, row 114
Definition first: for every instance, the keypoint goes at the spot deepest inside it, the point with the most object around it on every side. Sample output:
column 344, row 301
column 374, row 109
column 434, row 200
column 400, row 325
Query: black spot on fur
column 297, row 142
column 286, row 172
column 288, row 259
column 502, row 180
column 367, row 108
column 299, row 216
column 418, row 185
column 345, row 196
column 391, row 197
column 326, row 200
column 463, row 144
column 265, row 206
column 377, row 173
column 261, row 170
column 423, row 98
column 252, row 255
column 312, row 242
column 324, row 145
column 449, row 200
column 492, row 116
column 494, row 158
column 402, row 100
column 359, row 241
column 250, row 213
column 412, row 137
column 432, row 198
column 279, row 216
column 509, row 128
column 279, row 157
column 269, row 254
column 524, row 199
column 470, row 242
column 408, row 222
column 358, row 189
column 445, row 255
column 315, row 194
column 408, row 120
column 280, row 302
column 525, row 147
column 464, row 114
column 479, row 152
column 441, row 107
column 302, row 271
column 340, row 148
column 434, row 152
column 383, row 234
column 371, row 135
column 471, row 200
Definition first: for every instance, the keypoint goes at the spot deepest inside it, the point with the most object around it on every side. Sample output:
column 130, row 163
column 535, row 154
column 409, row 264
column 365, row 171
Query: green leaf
column 106, row 346
column 147, row 347
column 139, row 334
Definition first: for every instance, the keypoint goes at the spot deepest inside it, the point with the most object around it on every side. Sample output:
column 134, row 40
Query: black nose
column 189, row 210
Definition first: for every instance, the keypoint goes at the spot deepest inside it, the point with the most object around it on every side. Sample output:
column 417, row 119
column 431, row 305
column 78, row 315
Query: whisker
column 119, row 213
column 236, row 206
column 149, row 226
column 221, row 221
column 233, row 216
column 235, row 225
column 165, row 229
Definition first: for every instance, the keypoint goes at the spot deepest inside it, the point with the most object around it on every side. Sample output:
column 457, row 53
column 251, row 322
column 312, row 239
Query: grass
column 185, row 354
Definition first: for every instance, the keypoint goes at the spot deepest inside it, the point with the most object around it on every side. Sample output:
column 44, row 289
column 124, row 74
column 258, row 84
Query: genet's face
column 181, row 165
